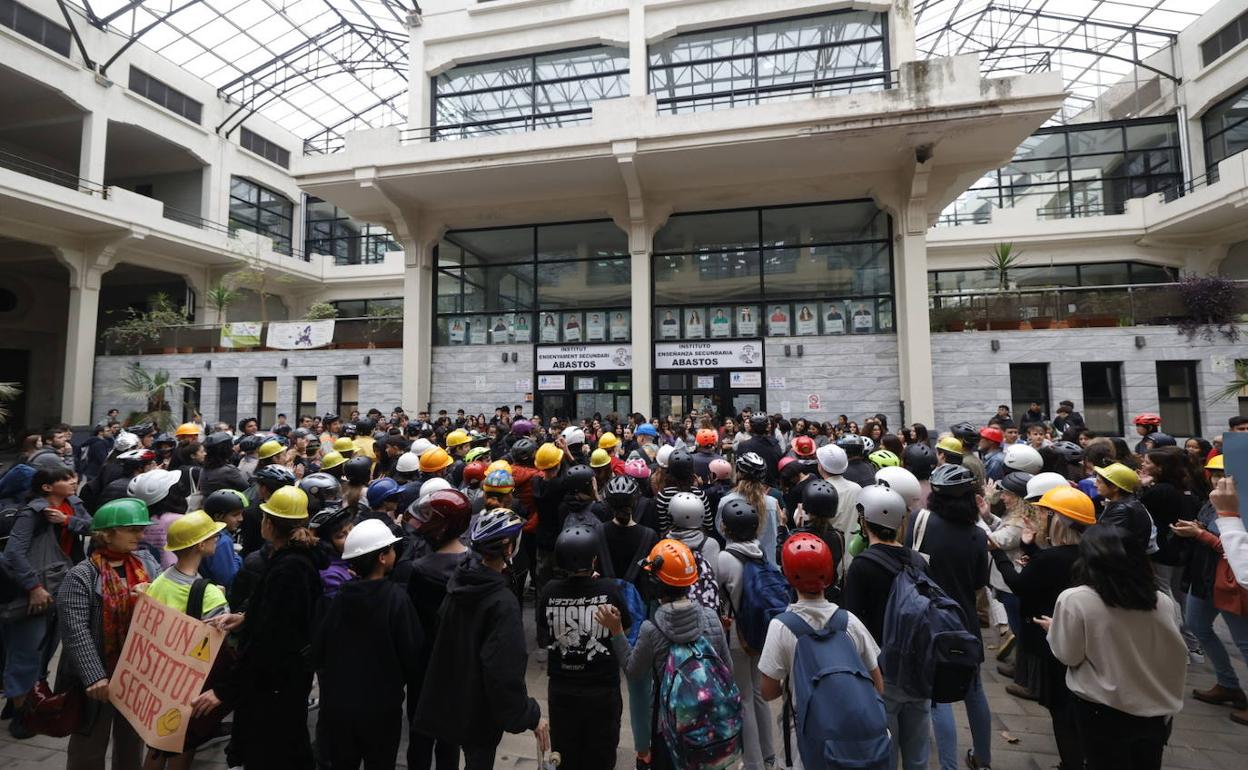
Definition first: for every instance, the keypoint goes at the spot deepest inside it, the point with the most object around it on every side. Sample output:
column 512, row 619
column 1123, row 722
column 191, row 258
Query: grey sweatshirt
column 679, row 621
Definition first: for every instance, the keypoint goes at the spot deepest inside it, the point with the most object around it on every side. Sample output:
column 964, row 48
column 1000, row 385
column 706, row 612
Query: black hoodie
column 366, row 648
column 767, row 447
column 474, row 686
column 868, row 584
column 860, row 471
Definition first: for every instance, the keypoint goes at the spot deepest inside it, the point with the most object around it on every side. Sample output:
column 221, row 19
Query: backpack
column 699, row 707
column 633, row 602
column 764, row 594
column 927, row 650
column 706, row 591
column 841, row 721
column 8, row 517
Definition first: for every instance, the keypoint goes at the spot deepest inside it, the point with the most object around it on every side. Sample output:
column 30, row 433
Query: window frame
column 262, row 405
column 144, row 84
column 1114, row 379
column 1019, row 407
column 227, row 400
column 282, row 242
column 1191, row 372
column 52, row 36
column 266, row 148
column 345, row 407
column 1211, row 166
column 367, row 246
column 1213, row 47
column 300, row 404
column 191, row 398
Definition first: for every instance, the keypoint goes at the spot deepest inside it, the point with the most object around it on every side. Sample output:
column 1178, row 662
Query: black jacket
column 1130, row 515
column 548, row 495
column 223, row 477
column 868, row 584
column 366, row 647
column 959, row 563
column 479, row 657
column 768, row 448
column 861, row 472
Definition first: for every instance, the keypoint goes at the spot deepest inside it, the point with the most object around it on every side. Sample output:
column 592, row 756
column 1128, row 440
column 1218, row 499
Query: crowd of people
column 691, row 570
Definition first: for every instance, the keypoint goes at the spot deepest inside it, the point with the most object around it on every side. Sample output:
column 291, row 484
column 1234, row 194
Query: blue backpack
column 764, row 595
column 699, row 708
column 841, row 721
column 927, row 650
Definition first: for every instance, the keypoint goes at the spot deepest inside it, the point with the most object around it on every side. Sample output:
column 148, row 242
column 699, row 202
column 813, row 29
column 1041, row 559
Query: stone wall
column 851, row 375
column 476, row 379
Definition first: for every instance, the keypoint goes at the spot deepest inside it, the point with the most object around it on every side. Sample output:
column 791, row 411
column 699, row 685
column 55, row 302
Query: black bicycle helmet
column 219, row 444
column 523, row 451
column 953, row 480
column 576, row 548
column 820, row 499
column 621, row 489
column 966, row 433
column 739, row 518
column 322, row 488
column 1016, row 482
column 224, row 501
column 328, row 521
column 680, row 465
column 751, row 466
column 1069, row 450
column 852, row 444
column 759, row 424
column 250, row 443
column 579, row 478
column 274, row 477
column 358, row 470
column 919, row 459
column 164, row 439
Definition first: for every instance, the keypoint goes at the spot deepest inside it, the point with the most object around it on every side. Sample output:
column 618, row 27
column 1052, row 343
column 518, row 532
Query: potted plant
column 1238, row 386
column 220, row 297
column 152, row 389
column 1211, row 306
column 140, row 331
column 319, row 311
column 9, row 393
column 1001, row 260
column 256, row 278
column 385, row 320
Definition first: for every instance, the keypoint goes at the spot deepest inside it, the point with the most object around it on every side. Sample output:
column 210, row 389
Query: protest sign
column 163, row 666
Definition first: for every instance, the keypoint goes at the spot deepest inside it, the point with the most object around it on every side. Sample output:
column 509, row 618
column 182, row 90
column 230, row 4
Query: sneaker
column 1006, row 670
column 973, row 763
column 1195, row 657
column 19, row 730
column 1222, row 696
column 1007, row 645
column 1018, row 691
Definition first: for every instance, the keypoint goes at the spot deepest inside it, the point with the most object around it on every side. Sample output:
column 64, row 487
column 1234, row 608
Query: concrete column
column 643, row 312
column 80, row 333
column 93, row 148
column 417, row 82
column 914, row 336
column 638, row 60
column 417, row 324
column 213, row 192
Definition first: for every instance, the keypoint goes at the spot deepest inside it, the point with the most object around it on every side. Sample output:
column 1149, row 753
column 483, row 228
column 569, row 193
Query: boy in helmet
column 225, row 506
column 584, row 688
column 479, row 652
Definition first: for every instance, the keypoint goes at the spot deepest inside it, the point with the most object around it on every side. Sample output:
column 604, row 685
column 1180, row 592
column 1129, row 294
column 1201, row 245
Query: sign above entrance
column 584, row 358
column 721, row 354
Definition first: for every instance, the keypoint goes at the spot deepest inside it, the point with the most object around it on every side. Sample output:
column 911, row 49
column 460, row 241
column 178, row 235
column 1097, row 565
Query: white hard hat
column 1043, row 482
column 125, row 441
column 1020, row 457
column 153, row 486
column 367, row 537
column 436, row 484
column 407, row 463
column 420, row 446
column 832, row 459
column 903, row 482
column 686, row 511
column 573, row 435
column 661, row 456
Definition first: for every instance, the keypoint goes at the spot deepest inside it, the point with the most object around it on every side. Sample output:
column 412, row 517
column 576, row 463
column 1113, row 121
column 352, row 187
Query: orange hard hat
column 672, row 563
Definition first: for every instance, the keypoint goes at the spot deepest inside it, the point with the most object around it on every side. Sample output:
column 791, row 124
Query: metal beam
column 73, row 30
column 134, row 38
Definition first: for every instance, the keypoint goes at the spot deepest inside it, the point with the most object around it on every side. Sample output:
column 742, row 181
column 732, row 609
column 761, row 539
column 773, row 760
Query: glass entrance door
column 586, row 395
column 706, row 393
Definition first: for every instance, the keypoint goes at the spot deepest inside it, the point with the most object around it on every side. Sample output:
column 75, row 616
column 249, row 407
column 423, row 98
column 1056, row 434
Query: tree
column 1001, row 260
column 152, row 389
column 9, row 392
column 320, row 310
column 1238, row 385
column 385, row 319
column 256, row 278
column 142, row 328
column 220, row 297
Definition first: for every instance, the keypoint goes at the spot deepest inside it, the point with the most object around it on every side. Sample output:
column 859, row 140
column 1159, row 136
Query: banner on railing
column 241, row 334
column 300, row 335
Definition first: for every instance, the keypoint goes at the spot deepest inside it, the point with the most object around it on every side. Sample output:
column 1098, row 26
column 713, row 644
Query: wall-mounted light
column 1140, row 341
column 368, row 360
column 515, row 356
column 504, row 358
column 800, row 350
column 208, row 364
column 787, row 351
column 284, row 362
column 996, row 345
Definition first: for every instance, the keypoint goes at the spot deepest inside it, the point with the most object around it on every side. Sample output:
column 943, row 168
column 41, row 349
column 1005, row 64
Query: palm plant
column 152, row 389
column 9, row 391
column 1238, row 386
column 1001, row 260
column 220, row 297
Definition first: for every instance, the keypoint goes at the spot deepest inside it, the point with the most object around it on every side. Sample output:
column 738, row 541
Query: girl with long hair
column 753, row 489
column 1170, row 492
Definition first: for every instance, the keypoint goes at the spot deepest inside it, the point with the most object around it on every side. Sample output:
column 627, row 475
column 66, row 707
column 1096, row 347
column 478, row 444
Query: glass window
column 1226, row 129
column 1224, row 39
column 1177, row 394
column 227, row 400
column 305, row 397
column 836, row 52
column 581, row 240
column 266, row 401
column 692, row 277
column 527, row 93
column 262, row 211
column 348, row 395
column 1102, row 397
column 1029, row 383
column 330, row 231
column 190, row 398
column 584, row 283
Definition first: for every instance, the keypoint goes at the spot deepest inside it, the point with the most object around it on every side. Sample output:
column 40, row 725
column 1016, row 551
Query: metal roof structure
column 320, row 68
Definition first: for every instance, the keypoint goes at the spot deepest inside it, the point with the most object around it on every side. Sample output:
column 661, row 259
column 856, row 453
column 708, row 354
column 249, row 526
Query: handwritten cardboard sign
column 165, row 660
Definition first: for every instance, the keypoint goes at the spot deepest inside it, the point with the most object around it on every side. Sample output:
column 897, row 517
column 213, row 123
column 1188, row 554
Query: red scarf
column 118, row 601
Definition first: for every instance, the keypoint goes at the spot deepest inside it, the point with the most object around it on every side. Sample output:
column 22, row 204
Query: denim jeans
column 23, row 653
column 1200, row 616
column 909, row 720
column 1013, row 611
column 640, row 701
column 946, row 730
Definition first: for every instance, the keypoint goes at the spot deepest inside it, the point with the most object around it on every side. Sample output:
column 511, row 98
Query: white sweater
column 1235, row 546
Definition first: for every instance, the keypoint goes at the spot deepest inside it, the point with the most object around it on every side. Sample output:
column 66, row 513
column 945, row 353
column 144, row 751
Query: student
column 751, row 487
column 479, row 652
column 365, row 655
column 739, row 520
column 95, row 607
column 191, row 539
column 225, row 506
column 1117, row 635
column 584, row 688
column 678, row 621
column 441, row 520
column 1116, row 484
column 868, row 585
column 809, row 567
column 331, row 527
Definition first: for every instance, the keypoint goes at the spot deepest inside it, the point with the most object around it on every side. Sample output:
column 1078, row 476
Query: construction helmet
column 608, row 441
column 1120, row 476
column 434, row 460
column 344, row 445
column 122, row 512
column 672, row 563
column 497, row 465
column 287, row 503
column 268, row 449
column 332, row 460
column 599, row 459
column 407, row 463
column 191, row 529
column 951, row 445
column 369, row 536
column 1216, row 463
column 548, row 456
column 187, row 430
column 457, row 437
column 1070, row 503
column 499, row 480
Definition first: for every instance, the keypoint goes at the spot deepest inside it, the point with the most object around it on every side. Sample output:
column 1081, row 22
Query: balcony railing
column 49, row 174
column 194, row 220
column 1157, row 304
column 1179, row 191
column 349, row 333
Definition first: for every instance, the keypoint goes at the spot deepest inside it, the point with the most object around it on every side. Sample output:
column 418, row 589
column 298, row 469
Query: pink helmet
column 637, row 469
column 720, row 468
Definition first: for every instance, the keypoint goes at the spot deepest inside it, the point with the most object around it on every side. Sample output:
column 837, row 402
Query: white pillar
column 417, row 324
column 638, row 60
column 914, row 336
column 80, row 333
column 643, row 313
column 417, row 82
column 93, row 148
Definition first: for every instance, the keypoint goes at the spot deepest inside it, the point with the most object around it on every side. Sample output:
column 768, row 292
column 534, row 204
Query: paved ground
column 1203, row 736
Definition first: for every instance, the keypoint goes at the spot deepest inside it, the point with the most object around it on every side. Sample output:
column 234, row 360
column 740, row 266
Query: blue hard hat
column 379, row 490
column 646, row 429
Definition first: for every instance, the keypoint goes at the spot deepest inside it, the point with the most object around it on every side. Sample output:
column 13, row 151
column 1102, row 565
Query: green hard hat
column 125, row 512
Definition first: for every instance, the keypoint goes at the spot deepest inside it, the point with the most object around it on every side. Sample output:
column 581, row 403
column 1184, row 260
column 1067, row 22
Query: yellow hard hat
column 457, row 437
column 332, row 460
column 268, row 449
column 187, row 429
column 434, row 460
column 497, row 464
column 951, row 444
column 191, row 529
column 344, row 445
column 548, row 456
column 287, row 503
column 1120, row 476
column 599, row 458
column 608, row 441
column 1216, row 463
column 1071, row 503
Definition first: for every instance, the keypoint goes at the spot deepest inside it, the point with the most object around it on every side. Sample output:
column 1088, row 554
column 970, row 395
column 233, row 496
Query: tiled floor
column 1203, row 736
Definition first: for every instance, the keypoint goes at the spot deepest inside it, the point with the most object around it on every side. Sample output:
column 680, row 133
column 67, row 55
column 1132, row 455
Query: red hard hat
column 474, row 471
column 1147, row 418
column 808, row 563
column 992, row 433
column 804, row 446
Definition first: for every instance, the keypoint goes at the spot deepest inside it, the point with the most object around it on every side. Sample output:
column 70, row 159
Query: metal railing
column 195, row 220
column 47, row 173
column 1172, row 194
column 1155, row 304
column 875, row 81
column 349, row 333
